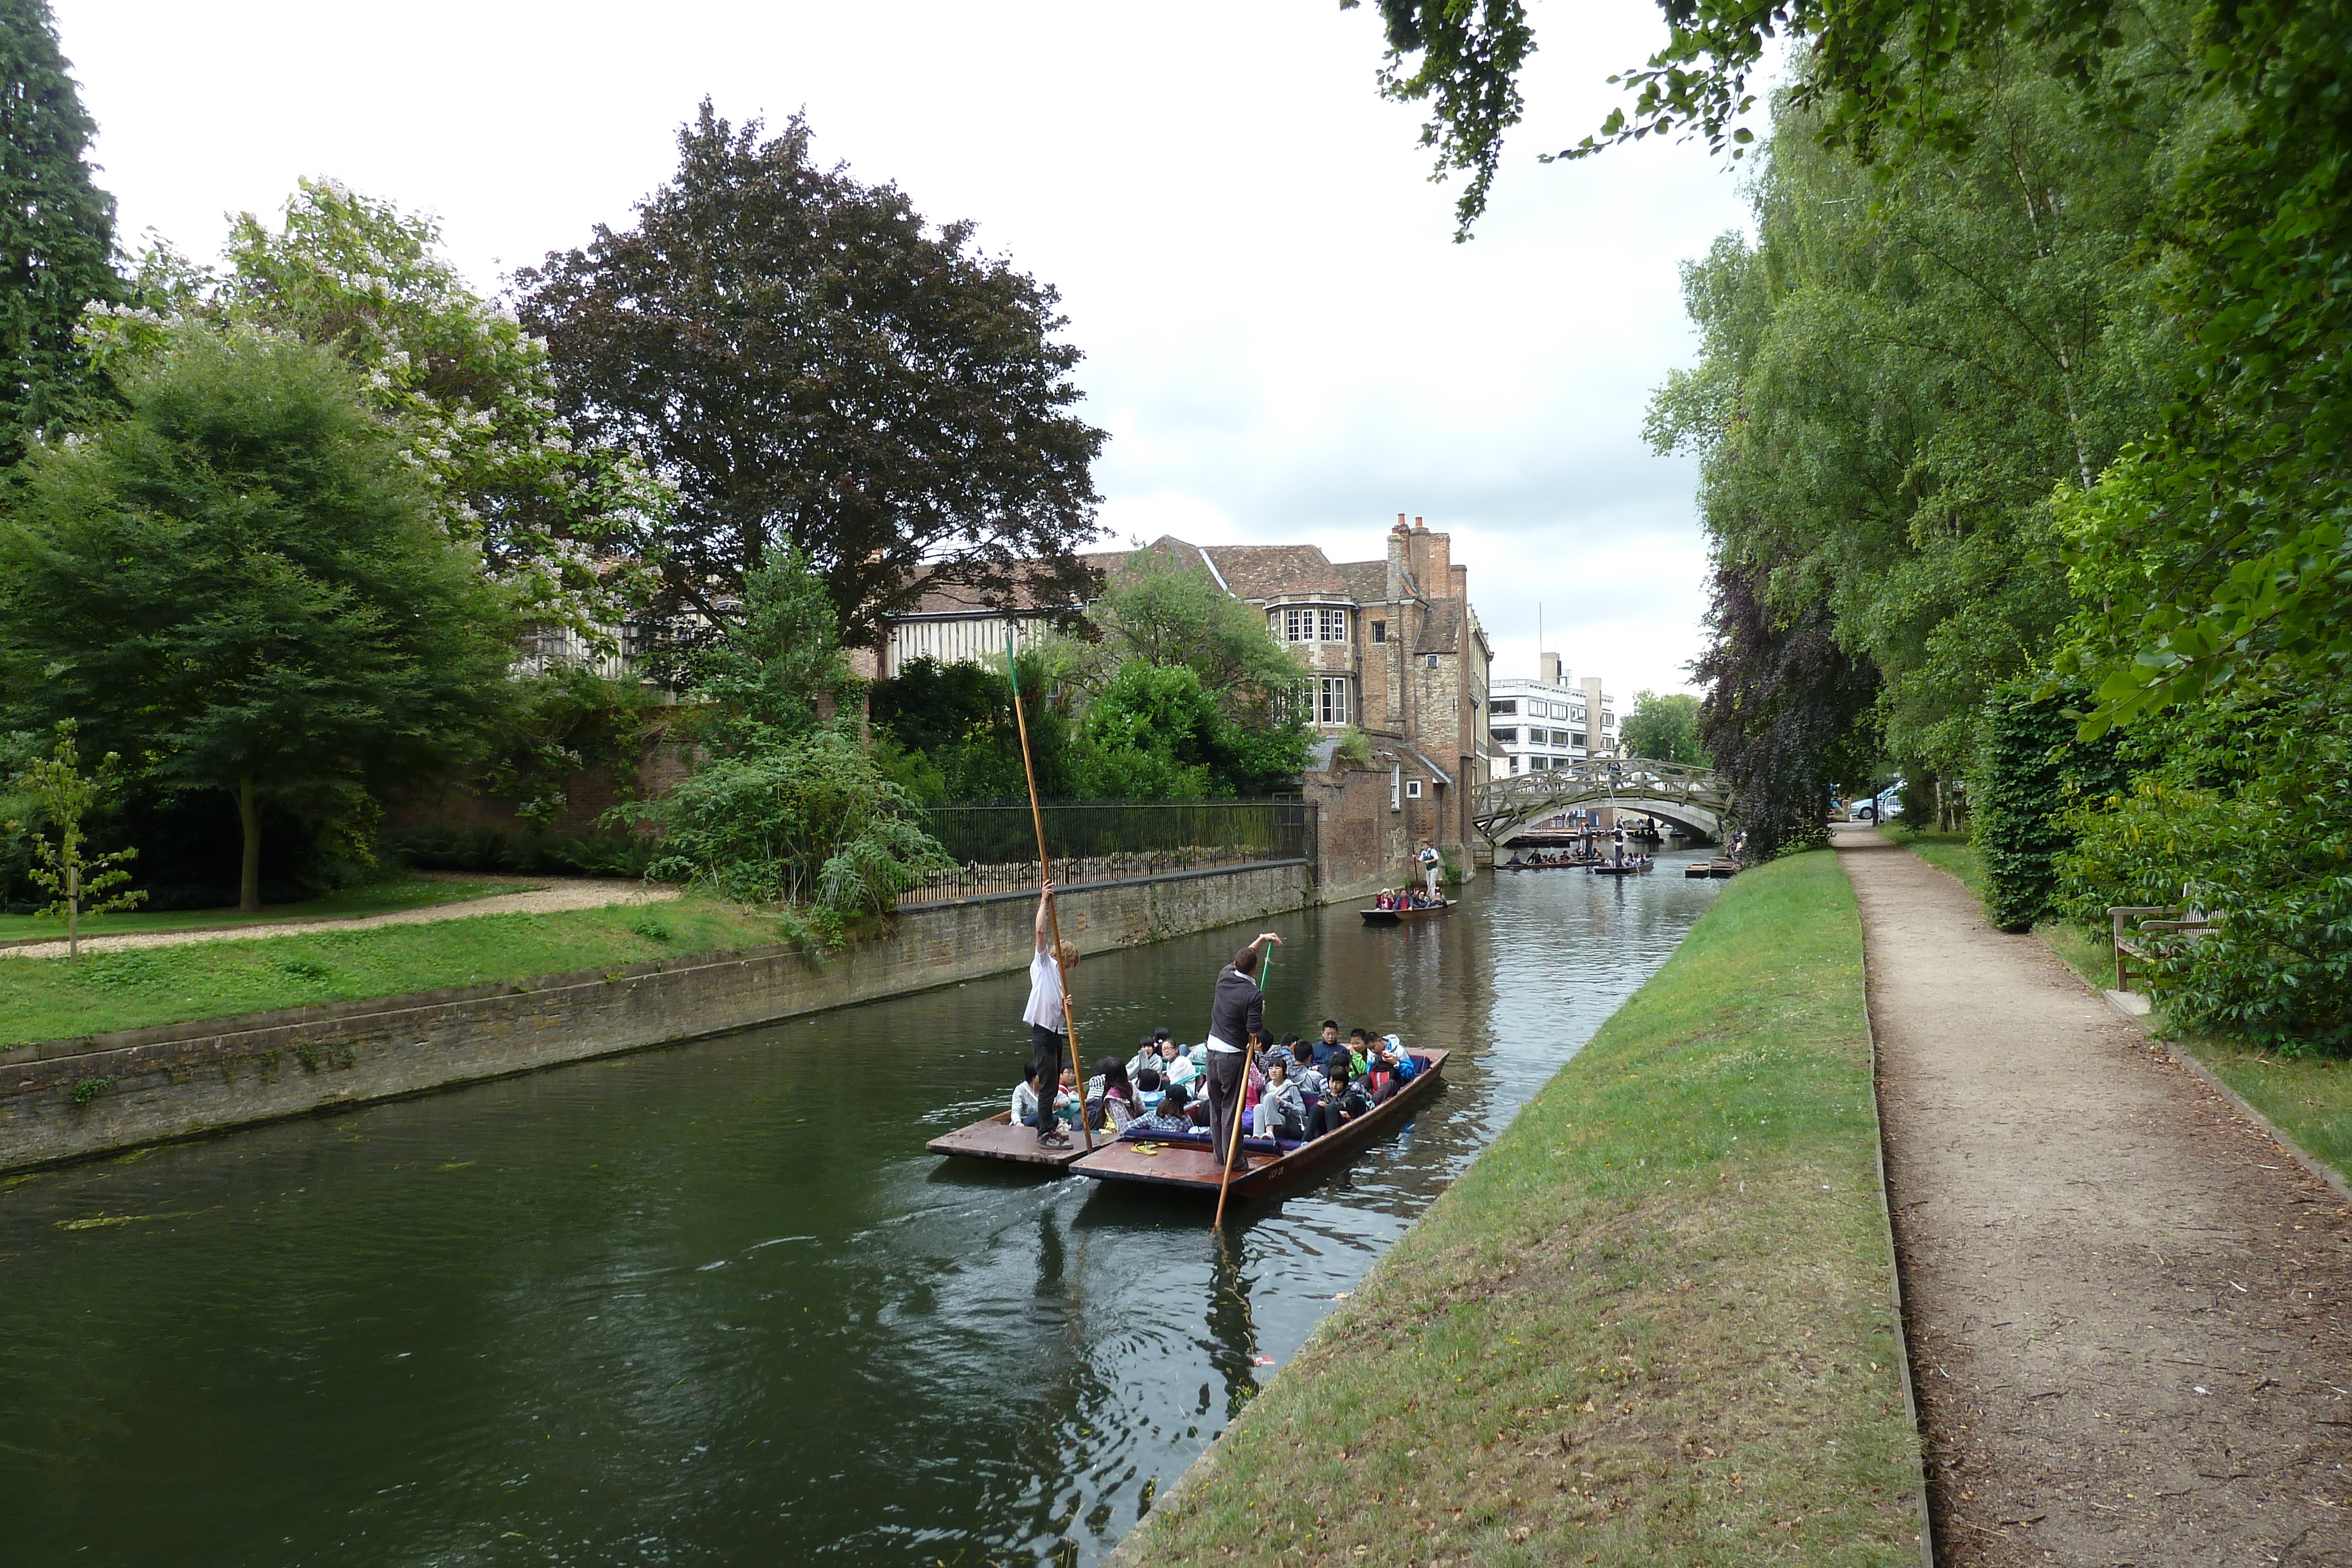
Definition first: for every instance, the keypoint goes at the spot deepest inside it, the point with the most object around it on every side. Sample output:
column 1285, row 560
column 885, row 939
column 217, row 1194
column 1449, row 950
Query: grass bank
column 52, row 999
column 1652, row 1325
column 385, row 897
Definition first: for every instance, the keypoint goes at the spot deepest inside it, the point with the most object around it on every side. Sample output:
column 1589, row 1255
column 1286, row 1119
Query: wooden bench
column 2135, row 923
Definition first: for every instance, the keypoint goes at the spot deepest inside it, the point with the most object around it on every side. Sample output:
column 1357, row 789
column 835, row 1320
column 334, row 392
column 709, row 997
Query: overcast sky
column 1280, row 334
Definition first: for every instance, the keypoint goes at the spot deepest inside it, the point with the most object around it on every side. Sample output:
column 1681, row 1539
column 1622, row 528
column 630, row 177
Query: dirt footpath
column 2127, row 1304
column 573, row 893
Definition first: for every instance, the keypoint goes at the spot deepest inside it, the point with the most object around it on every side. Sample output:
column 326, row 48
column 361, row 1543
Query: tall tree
column 469, row 392
column 1785, row 713
column 1663, row 727
column 239, row 587
column 56, row 231
column 813, row 364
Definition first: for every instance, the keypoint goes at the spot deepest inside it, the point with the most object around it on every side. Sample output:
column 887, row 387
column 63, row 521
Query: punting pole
column 1053, row 911
column 1233, row 1143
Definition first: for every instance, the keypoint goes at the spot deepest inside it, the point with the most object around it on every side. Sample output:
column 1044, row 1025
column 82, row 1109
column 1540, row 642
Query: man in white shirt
column 1049, row 1047
column 1431, row 865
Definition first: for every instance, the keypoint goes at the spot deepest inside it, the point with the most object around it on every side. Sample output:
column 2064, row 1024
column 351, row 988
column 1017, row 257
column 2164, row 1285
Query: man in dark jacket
column 1235, row 1013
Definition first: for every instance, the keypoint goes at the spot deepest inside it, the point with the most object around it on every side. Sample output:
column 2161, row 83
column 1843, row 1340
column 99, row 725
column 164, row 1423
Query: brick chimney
column 1399, row 539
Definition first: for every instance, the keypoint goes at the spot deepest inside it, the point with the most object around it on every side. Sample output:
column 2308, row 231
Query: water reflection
column 716, row 1302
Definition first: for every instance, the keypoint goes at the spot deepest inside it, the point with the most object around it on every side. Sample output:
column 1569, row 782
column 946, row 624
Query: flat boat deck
column 998, row 1139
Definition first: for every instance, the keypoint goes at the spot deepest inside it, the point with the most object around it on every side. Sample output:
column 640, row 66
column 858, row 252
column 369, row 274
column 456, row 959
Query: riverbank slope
column 1654, row 1322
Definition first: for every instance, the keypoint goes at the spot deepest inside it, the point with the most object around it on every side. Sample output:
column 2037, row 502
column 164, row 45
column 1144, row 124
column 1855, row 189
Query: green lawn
column 1653, row 1324
column 377, row 898
column 53, row 999
column 1947, row 851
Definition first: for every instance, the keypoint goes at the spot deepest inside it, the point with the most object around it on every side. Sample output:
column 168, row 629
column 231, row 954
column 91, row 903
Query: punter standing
column 1237, row 1012
column 1049, row 1048
column 1432, row 863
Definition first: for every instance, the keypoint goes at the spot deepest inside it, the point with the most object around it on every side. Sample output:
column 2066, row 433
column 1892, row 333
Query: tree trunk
column 248, row 882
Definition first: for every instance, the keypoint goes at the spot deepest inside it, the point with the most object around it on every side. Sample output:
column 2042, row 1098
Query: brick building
column 1394, row 646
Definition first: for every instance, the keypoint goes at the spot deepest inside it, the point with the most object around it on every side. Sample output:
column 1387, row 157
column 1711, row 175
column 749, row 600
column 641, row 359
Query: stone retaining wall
column 68, row 1099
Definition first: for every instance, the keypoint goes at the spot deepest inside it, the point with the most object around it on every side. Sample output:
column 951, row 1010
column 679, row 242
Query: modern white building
column 1538, row 724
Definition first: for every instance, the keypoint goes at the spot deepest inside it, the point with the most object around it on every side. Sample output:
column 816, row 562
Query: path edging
column 1893, row 1252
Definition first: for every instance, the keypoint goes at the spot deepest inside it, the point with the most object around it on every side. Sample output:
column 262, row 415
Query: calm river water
column 715, row 1303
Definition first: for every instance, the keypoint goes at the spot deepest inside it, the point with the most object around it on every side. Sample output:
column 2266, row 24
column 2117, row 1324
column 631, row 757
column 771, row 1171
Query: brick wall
column 184, row 1079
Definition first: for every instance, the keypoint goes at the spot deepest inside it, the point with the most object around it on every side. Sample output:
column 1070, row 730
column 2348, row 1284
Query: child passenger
column 1116, row 1107
column 1169, row 1118
column 1281, row 1111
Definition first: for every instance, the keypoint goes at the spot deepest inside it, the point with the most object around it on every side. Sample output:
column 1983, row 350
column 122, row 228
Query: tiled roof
column 1441, row 632
column 1367, row 581
column 959, row 599
column 1271, row 572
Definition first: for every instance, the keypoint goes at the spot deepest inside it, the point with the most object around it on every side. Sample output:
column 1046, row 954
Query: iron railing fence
column 995, row 847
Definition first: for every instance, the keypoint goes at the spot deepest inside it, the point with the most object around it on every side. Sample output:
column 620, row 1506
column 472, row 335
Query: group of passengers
column 1542, row 858
column 1406, row 898
column 1295, row 1089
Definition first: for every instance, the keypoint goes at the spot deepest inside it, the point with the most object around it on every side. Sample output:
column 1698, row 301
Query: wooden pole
column 1053, row 914
column 1233, row 1143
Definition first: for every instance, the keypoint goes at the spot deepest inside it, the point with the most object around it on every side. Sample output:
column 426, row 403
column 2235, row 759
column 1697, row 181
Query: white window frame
column 1298, row 623
column 1413, row 789
column 1501, row 706
column 1332, row 705
column 1335, row 626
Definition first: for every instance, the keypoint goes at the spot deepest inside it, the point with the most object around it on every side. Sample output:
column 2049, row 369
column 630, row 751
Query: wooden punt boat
column 1631, row 868
column 1001, row 1138
column 1267, row 1164
column 1720, row 867
column 1398, row 916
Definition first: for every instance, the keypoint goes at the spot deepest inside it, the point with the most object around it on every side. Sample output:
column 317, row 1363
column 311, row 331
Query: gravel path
column 2126, row 1301
column 574, row 893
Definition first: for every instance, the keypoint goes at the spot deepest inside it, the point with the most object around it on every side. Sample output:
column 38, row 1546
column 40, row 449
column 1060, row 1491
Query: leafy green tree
column 1153, row 734
column 470, row 395
column 784, row 806
column 1169, row 612
column 239, row 586
column 814, row 365
column 65, row 796
column 57, row 234
column 955, row 738
column 1664, row 728
column 1901, row 370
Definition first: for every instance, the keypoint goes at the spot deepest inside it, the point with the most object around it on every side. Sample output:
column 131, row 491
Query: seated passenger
column 1146, row 1055
column 1328, row 1044
column 1148, row 1089
column 1341, row 1105
column 1281, row 1109
column 1066, row 1099
column 1406, row 1067
column 1304, row 1075
column 1118, row 1107
column 1175, row 1067
column 1024, row 1098
column 1169, row 1118
column 1359, row 1051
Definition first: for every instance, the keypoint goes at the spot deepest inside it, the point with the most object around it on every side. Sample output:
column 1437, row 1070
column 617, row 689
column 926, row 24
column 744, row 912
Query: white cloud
column 1280, row 334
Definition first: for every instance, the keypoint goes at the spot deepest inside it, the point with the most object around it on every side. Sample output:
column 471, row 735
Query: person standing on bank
column 1049, row 1048
column 1236, row 1012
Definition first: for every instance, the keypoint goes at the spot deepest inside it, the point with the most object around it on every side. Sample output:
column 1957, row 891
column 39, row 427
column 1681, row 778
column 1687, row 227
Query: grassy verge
column 2308, row 1098
column 1652, row 1325
column 51, row 998
column 377, row 898
column 1946, row 851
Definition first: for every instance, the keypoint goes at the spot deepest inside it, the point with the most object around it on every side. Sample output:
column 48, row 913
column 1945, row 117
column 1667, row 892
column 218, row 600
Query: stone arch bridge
column 1692, row 799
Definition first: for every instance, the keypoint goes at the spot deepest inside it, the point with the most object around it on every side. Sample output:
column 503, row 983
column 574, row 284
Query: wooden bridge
column 1692, row 799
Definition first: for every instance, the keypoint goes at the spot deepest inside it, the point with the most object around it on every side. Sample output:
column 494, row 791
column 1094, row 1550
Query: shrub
column 2269, row 860
column 2030, row 769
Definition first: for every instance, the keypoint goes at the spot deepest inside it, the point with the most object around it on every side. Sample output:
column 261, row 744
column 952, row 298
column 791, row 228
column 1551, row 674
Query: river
column 715, row 1303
